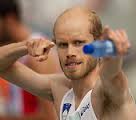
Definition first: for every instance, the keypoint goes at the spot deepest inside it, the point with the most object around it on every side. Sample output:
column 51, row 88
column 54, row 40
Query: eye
column 62, row 45
column 79, row 42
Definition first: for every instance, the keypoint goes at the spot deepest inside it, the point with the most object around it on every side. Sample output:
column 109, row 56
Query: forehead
column 73, row 23
column 76, row 27
column 65, row 37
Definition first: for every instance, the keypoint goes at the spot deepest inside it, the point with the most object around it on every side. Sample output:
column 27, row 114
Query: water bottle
column 100, row 48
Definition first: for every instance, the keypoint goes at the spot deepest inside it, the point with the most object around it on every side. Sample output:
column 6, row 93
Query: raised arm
column 114, row 81
column 21, row 75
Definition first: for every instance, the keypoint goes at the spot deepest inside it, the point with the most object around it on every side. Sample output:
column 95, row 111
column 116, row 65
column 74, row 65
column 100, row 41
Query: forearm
column 110, row 68
column 114, row 81
column 10, row 53
column 29, row 80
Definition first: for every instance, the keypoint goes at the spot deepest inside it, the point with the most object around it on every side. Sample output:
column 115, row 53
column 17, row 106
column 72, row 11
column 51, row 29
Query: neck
column 82, row 86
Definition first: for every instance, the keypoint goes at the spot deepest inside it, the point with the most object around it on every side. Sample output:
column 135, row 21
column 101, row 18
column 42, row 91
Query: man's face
column 70, row 37
column 5, row 35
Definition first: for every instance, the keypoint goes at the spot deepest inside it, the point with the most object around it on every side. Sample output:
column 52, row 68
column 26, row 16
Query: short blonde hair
column 94, row 19
column 96, row 29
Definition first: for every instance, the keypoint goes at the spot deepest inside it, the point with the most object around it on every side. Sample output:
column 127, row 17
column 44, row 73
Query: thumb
column 52, row 44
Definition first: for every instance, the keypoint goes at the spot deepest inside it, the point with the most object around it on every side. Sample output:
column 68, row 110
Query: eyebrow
column 60, row 40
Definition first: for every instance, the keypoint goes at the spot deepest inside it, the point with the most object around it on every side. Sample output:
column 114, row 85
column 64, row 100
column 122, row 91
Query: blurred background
column 39, row 16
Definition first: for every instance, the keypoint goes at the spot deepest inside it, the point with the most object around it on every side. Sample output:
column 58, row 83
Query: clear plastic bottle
column 100, row 48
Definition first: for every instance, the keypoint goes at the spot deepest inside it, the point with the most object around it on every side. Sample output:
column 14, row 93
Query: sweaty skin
column 111, row 98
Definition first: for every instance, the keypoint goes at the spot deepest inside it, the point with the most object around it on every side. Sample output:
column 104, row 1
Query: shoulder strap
column 67, row 105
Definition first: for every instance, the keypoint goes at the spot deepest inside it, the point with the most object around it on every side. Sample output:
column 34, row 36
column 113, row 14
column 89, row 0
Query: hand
column 120, row 39
column 39, row 48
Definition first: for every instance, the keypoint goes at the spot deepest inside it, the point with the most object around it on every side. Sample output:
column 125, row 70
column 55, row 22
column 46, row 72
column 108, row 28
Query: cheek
column 80, row 51
column 87, row 60
column 61, row 55
column 90, row 61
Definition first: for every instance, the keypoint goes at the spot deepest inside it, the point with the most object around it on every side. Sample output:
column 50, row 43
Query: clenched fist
column 39, row 48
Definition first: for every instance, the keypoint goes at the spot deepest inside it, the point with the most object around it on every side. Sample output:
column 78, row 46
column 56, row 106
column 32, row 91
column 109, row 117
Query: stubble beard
column 90, row 66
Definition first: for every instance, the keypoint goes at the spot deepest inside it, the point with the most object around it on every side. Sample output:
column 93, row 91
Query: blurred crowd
column 20, row 19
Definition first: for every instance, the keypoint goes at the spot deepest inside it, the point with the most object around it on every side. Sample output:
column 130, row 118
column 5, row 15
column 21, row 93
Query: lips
column 72, row 64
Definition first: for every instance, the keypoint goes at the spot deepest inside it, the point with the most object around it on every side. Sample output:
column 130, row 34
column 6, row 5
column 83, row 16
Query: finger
column 46, row 47
column 50, row 44
column 125, row 42
column 46, row 51
column 30, row 47
column 119, row 40
column 43, row 49
column 36, row 47
column 123, row 32
column 116, row 38
column 44, row 54
column 41, row 58
column 112, row 35
column 108, row 33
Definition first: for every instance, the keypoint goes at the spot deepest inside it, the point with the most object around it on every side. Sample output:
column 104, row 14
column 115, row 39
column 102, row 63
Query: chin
column 73, row 76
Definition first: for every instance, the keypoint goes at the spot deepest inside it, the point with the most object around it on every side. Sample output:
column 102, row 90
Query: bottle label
column 109, row 47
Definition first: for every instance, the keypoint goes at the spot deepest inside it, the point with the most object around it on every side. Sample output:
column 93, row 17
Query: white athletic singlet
column 84, row 111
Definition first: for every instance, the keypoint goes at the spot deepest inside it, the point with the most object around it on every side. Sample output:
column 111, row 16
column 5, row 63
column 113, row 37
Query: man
column 12, row 30
column 99, row 88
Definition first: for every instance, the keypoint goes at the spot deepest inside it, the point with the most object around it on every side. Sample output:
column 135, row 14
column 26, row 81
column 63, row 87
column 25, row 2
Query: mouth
column 72, row 65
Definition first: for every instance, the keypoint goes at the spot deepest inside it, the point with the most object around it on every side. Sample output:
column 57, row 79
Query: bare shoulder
column 59, row 79
column 59, row 86
column 58, row 83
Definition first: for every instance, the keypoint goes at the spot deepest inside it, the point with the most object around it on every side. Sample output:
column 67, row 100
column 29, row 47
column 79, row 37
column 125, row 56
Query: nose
column 71, row 51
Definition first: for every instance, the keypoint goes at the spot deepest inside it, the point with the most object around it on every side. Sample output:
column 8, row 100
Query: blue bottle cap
column 88, row 49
